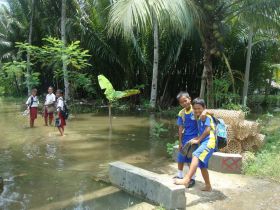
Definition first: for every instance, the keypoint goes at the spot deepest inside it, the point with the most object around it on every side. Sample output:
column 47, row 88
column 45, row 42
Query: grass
column 265, row 163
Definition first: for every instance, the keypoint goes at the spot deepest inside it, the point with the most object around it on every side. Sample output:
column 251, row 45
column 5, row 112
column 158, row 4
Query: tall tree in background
column 29, row 70
column 126, row 16
column 63, row 38
column 259, row 15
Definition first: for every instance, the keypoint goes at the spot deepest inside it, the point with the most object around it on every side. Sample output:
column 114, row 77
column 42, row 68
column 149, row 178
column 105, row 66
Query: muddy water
column 45, row 171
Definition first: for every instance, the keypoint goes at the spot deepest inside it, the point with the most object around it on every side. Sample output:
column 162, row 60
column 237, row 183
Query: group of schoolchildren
column 53, row 103
column 196, row 127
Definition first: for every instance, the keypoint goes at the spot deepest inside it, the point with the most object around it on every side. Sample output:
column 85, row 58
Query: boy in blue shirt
column 187, row 131
column 206, row 142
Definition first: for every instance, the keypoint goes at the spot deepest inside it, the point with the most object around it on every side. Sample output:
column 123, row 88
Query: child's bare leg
column 46, row 120
column 191, row 172
column 60, row 131
column 50, row 119
column 205, row 176
column 31, row 123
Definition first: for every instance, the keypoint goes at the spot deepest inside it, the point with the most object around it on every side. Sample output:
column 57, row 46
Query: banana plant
column 113, row 95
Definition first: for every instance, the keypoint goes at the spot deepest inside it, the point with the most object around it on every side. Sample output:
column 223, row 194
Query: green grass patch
column 265, row 163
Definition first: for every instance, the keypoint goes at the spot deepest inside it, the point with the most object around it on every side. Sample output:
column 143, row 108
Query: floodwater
column 45, row 171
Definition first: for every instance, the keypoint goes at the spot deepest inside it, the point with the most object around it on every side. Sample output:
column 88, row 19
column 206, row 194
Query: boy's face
column 198, row 109
column 185, row 102
column 58, row 94
column 50, row 90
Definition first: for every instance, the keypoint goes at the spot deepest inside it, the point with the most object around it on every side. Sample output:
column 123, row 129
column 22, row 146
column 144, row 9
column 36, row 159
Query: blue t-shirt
column 188, row 121
column 202, row 125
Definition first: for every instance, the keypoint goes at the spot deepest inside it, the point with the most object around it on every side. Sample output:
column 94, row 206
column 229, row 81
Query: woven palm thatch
column 230, row 117
column 248, row 143
column 259, row 140
column 230, row 133
column 246, row 128
column 234, row 147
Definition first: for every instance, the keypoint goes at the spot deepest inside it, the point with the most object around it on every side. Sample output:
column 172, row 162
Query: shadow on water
column 44, row 171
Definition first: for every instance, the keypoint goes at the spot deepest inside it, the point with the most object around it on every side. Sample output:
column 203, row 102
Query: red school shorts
column 62, row 120
column 46, row 114
column 33, row 113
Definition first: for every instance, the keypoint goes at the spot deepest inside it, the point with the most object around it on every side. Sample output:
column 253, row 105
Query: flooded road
column 45, row 171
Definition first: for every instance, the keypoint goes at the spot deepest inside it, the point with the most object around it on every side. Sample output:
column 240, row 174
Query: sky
column 3, row 1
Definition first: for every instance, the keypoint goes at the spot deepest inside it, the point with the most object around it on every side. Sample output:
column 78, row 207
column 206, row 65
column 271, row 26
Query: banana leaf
column 110, row 93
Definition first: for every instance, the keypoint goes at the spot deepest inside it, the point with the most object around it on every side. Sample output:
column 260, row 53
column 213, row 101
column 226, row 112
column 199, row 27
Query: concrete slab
column 220, row 162
column 156, row 188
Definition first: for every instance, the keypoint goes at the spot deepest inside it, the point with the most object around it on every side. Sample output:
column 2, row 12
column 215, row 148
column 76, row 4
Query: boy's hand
column 180, row 146
column 195, row 141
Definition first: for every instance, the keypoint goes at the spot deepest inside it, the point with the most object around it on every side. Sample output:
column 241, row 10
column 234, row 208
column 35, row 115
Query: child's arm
column 28, row 103
column 180, row 134
column 205, row 113
column 202, row 136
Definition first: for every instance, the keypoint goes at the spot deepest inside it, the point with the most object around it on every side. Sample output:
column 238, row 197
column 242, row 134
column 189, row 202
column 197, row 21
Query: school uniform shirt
column 50, row 99
column 202, row 125
column 189, row 123
column 35, row 101
column 60, row 104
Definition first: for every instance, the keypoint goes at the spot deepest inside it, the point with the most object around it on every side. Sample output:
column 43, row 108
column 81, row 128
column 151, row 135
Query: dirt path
column 230, row 192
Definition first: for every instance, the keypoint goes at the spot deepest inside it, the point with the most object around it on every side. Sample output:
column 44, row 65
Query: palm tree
column 128, row 16
column 29, row 72
column 63, row 38
column 260, row 15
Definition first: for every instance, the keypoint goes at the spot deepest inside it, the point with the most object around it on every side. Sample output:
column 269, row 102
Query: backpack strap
column 182, row 115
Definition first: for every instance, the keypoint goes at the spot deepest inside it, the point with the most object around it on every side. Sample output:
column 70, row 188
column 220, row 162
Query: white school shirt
column 35, row 101
column 60, row 104
column 50, row 99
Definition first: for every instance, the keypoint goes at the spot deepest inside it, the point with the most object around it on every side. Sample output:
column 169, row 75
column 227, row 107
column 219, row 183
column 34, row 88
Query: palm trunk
column 209, row 75
column 63, row 38
column 28, row 69
column 268, row 87
column 203, row 84
column 247, row 70
column 110, row 117
column 155, row 65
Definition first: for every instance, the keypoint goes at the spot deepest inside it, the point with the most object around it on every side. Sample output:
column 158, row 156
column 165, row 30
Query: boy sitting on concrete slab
column 206, row 142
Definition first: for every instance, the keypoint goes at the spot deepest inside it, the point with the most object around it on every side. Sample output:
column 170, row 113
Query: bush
column 265, row 162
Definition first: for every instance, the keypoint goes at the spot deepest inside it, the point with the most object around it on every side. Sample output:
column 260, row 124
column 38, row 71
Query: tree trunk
column 110, row 117
column 247, row 70
column 63, row 38
column 207, row 60
column 28, row 69
column 155, row 65
column 203, row 84
column 268, row 87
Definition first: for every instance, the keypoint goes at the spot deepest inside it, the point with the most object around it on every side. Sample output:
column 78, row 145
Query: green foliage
column 14, row 76
column 262, row 164
column 237, row 107
column 158, row 129
column 170, row 147
column 272, row 100
column 110, row 93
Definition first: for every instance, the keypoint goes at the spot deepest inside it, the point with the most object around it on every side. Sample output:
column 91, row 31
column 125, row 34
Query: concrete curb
column 156, row 188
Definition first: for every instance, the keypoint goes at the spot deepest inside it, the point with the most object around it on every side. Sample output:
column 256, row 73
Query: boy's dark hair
column 199, row 101
column 181, row 94
column 34, row 90
column 50, row 87
column 59, row 91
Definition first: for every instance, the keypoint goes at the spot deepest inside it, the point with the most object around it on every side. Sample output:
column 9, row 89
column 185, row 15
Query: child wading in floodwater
column 60, row 121
column 206, row 142
column 32, row 105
